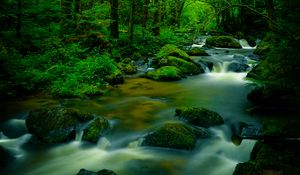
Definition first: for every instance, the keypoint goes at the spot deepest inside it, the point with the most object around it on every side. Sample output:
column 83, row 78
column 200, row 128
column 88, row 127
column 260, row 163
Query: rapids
column 133, row 108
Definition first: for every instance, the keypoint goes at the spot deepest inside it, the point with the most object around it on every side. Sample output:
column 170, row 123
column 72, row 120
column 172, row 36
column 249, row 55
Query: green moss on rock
column 222, row 41
column 186, row 67
column 114, row 78
column 196, row 51
column 173, row 135
column 199, row 116
column 55, row 124
column 95, row 129
column 127, row 66
column 165, row 73
column 172, row 50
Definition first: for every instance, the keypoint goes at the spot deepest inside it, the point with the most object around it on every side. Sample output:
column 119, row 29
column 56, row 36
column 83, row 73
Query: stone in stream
column 95, row 129
column 196, row 51
column 101, row 172
column 172, row 50
column 199, row 116
column 57, row 124
column 175, row 135
column 237, row 67
column 165, row 73
column 223, row 42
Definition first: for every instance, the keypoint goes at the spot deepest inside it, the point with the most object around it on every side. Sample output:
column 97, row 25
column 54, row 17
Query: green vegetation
column 196, row 51
column 172, row 50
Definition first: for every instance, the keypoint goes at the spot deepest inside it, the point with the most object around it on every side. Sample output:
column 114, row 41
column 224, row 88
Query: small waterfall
column 200, row 41
column 136, row 143
column 220, row 67
column 245, row 45
column 79, row 135
column 14, row 145
column 103, row 143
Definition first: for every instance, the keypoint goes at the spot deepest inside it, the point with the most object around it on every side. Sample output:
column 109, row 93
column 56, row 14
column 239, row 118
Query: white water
column 120, row 150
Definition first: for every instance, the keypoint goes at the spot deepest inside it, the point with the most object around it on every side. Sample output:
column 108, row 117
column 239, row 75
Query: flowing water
column 133, row 109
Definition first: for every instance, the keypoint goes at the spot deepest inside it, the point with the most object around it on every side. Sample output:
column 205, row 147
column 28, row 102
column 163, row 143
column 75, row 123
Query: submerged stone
column 237, row 67
column 222, row 41
column 174, row 135
column 101, row 172
column 199, row 116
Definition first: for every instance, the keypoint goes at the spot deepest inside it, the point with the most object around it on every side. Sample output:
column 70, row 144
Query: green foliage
column 172, row 50
column 186, row 67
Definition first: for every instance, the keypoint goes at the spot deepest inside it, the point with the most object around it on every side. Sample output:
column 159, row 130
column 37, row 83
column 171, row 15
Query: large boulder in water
column 196, row 51
column 237, row 67
column 186, row 67
column 199, row 116
column 101, row 172
column 165, row 73
column 174, row 135
column 95, row 129
column 223, row 42
column 55, row 124
column 172, row 50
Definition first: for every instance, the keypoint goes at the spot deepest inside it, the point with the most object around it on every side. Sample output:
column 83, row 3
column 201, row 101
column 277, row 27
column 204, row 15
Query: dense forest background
column 74, row 48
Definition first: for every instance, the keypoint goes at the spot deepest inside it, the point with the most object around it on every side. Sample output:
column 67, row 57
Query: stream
column 133, row 108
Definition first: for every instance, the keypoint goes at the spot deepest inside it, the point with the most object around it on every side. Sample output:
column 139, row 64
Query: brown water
column 133, row 108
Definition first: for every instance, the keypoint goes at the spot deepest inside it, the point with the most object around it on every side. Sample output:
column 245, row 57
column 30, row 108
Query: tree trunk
column 66, row 17
column 156, row 22
column 114, row 26
column 270, row 12
column 131, row 21
column 19, row 22
column 145, row 15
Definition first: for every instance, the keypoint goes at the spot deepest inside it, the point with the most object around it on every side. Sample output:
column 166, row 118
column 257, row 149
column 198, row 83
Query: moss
column 172, row 50
column 196, row 51
column 95, row 129
column 114, row 78
column 272, row 158
column 172, row 135
column 222, row 41
column 55, row 124
column 127, row 68
column 186, row 67
column 165, row 73
column 199, row 116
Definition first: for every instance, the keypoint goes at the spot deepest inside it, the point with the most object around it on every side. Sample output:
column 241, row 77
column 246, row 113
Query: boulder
column 127, row 66
column 186, row 67
column 165, row 73
column 196, row 51
column 172, row 50
column 223, row 42
column 199, row 116
column 237, row 67
column 174, row 135
column 95, row 129
column 101, row 172
column 55, row 124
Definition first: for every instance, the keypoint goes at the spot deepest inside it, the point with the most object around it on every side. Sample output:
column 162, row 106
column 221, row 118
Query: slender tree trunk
column 270, row 11
column 145, row 16
column 66, row 17
column 180, row 9
column 19, row 20
column 131, row 21
column 114, row 27
column 77, row 10
column 156, row 22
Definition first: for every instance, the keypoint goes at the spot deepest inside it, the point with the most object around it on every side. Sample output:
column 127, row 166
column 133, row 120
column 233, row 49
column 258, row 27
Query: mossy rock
column 172, row 50
column 238, row 67
column 165, row 73
column 199, row 116
column 223, row 42
column 114, row 78
column 272, row 158
column 127, row 66
column 95, row 129
column 55, row 124
column 186, row 67
column 174, row 135
column 196, row 51
column 101, row 172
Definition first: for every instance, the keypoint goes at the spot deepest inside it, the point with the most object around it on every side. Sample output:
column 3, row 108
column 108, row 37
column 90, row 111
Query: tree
column 145, row 15
column 131, row 21
column 114, row 27
column 156, row 22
